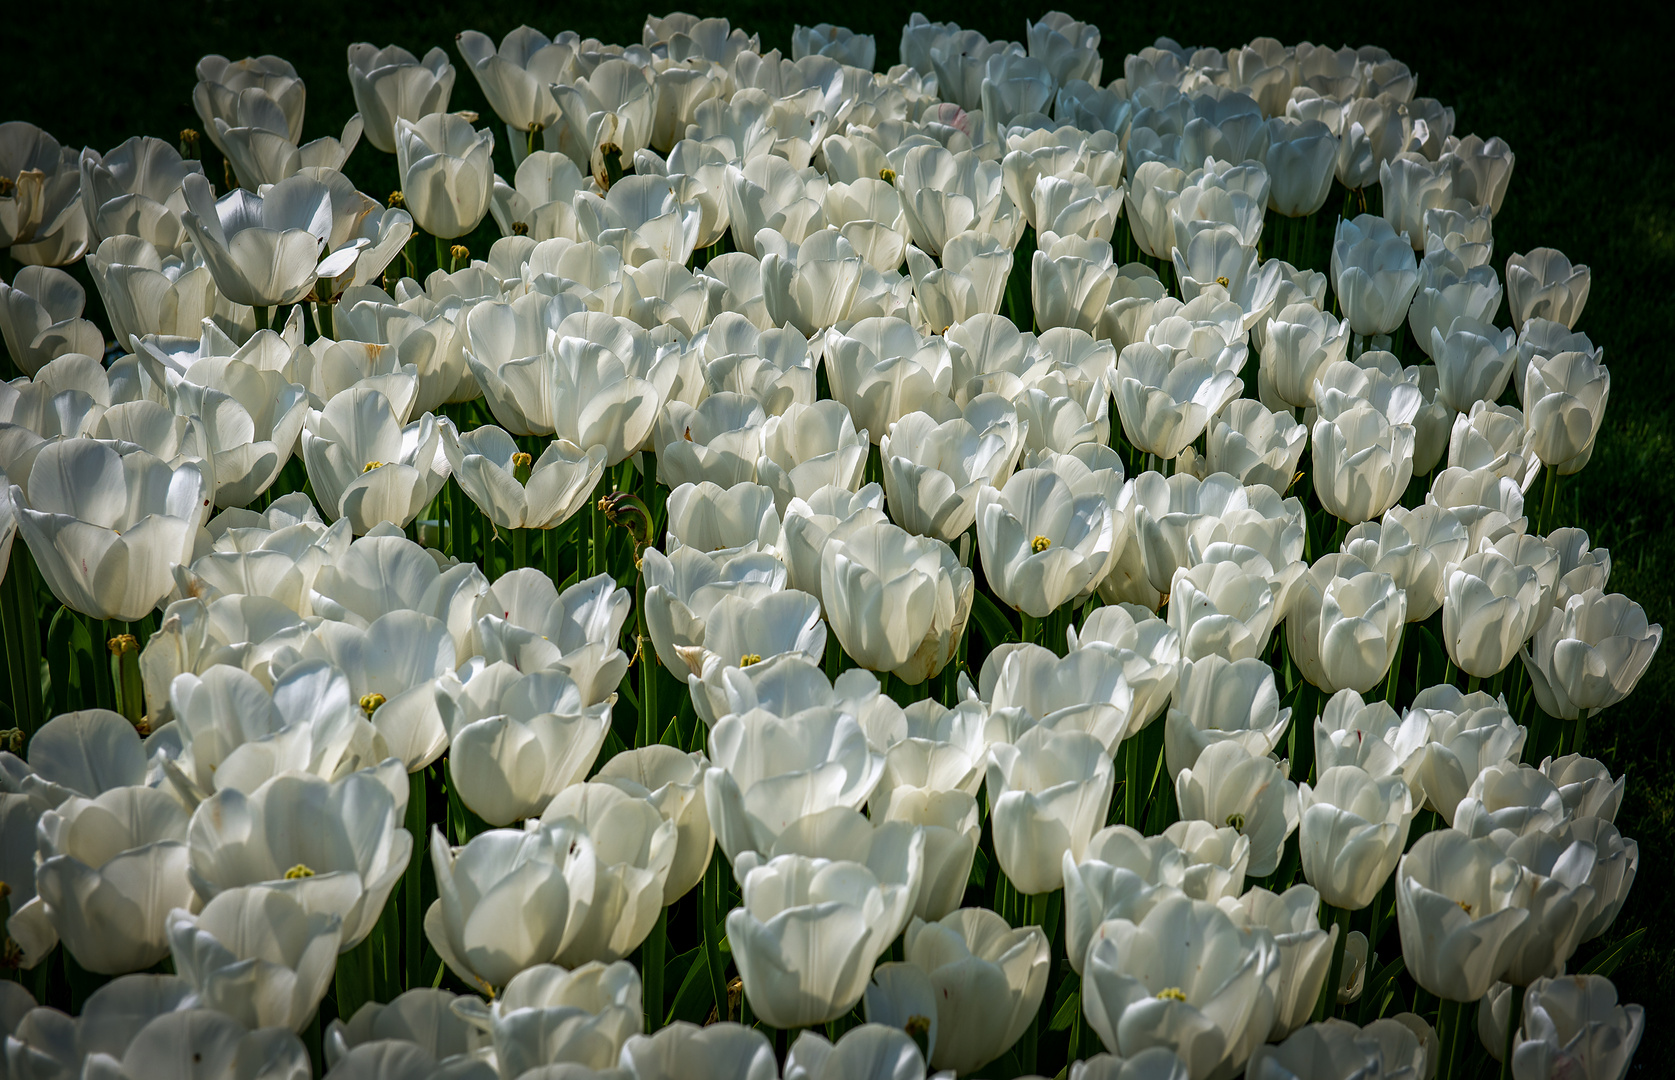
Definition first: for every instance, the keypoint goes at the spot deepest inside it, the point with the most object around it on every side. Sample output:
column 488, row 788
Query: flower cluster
column 830, row 564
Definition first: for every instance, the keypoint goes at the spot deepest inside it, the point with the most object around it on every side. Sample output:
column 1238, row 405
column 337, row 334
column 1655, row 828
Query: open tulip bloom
column 800, row 576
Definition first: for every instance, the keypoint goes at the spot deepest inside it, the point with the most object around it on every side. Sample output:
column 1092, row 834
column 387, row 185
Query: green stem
column 520, row 548
column 710, row 910
column 1580, row 734
column 1514, row 1019
column 1030, row 629
column 323, row 312
column 12, row 625
column 1131, row 781
column 1395, row 668
column 1472, row 682
column 651, row 970
column 596, row 563
column 1029, row 1044
column 1450, row 1025
column 412, row 916
column 264, row 317
column 1328, row 1002
column 646, row 657
column 1551, row 501
column 443, row 256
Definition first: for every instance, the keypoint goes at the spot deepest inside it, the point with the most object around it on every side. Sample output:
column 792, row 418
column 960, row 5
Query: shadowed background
column 1592, row 179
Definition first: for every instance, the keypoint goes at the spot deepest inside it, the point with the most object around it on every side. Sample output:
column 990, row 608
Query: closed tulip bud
column 1301, row 158
column 1457, row 910
column 1354, row 827
column 392, row 84
column 1545, row 285
column 1070, row 282
column 1218, row 700
column 1302, row 340
column 1228, row 785
column 1362, row 462
column 1048, row 793
column 1374, row 274
column 1086, row 690
column 509, row 899
column 1221, row 609
column 752, row 792
column 1570, row 1022
column 897, row 602
column 1166, row 397
column 1474, row 362
column 831, row 512
column 1590, row 653
column 719, row 441
column 1412, row 185
column 1565, row 396
column 1151, row 195
column 1467, row 734
column 1185, row 978
column 116, row 858
column 882, row 369
column 1469, row 235
column 948, row 820
column 258, row 955
column 1555, row 890
column 945, row 194
column 808, row 935
column 1345, row 624
column 809, row 447
column 1491, row 608
column 446, row 172
column 635, row 847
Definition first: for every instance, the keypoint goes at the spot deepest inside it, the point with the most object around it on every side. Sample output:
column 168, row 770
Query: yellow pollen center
column 1465, row 907
column 887, row 175
column 397, row 199
column 122, row 643
column 1237, row 820
column 297, row 872
column 370, row 703
column 521, row 460
column 1222, row 281
column 1171, row 993
column 520, row 228
column 750, row 658
column 459, row 251
column 1040, row 544
column 369, row 466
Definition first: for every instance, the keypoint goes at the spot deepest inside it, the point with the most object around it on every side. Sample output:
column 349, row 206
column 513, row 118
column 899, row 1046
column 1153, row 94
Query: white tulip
column 1354, row 828
column 1362, row 462
column 1474, row 362
column 1456, row 908
column 486, row 463
column 1565, row 396
column 721, row 1051
column 673, row 783
column 40, row 318
column 897, row 602
column 108, row 524
column 547, row 1015
column 446, row 170
column 293, row 833
column 257, row 954
column 1228, row 785
column 1305, row 953
column 1221, row 700
column 1590, row 653
column 509, row 899
column 807, row 447
column 723, row 520
column 933, row 472
column 1049, row 792
column 1491, row 608
column 635, row 848
column 1072, row 546
column 1374, row 274
column 261, row 249
column 1545, row 285
column 1184, row 978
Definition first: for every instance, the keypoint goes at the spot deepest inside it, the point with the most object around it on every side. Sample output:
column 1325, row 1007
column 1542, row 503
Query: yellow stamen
column 1171, row 993
column 122, row 643
column 397, row 199
column 1040, row 544
column 521, row 460
column 459, row 252
column 1222, row 281
column 297, row 872
column 369, row 466
column 1237, row 820
column 887, row 174
column 520, row 228
column 370, row 703
column 750, row 658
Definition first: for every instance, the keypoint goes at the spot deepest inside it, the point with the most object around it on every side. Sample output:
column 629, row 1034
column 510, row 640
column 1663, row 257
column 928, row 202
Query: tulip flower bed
column 988, row 567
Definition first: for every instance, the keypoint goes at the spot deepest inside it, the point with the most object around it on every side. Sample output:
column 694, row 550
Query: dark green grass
column 1577, row 98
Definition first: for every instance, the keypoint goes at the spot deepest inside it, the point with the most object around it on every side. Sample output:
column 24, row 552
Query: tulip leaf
column 992, row 621
column 1611, row 958
column 1067, row 1004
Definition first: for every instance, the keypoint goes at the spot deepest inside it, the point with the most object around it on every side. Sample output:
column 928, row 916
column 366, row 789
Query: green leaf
column 995, row 624
column 1068, row 1006
column 1609, row 959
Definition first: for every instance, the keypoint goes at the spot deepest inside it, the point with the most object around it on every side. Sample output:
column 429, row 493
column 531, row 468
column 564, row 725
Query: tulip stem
column 413, row 918
column 1450, row 1021
column 1472, row 682
column 1514, row 1019
column 520, row 548
column 651, row 970
column 443, row 256
column 323, row 319
column 1328, row 1002
column 1580, row 732
column 264, row 317
column 1550, row 502
column 1395, row 667
column 710, row 910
